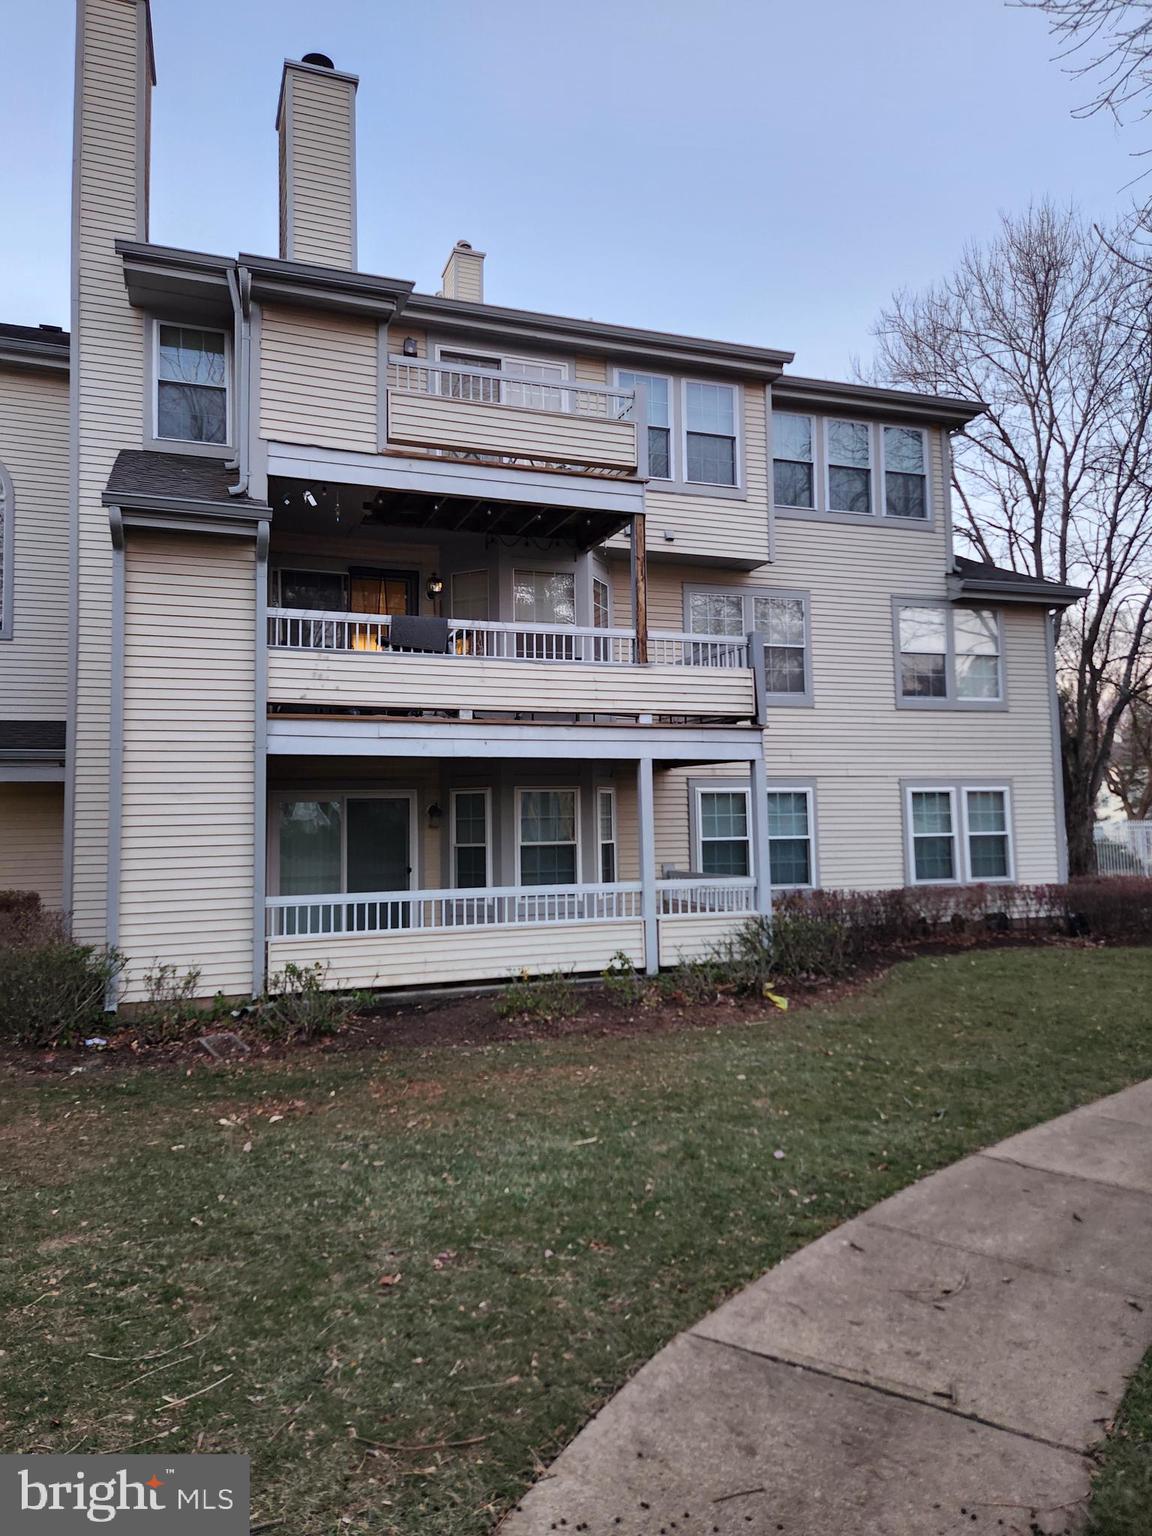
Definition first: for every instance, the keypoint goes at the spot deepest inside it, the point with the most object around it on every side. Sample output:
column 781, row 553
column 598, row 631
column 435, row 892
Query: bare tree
column 1052, row 328
column 1109, row 42
column 1129, row 774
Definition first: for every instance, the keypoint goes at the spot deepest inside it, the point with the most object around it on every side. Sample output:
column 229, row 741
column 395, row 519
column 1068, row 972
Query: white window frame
column 190, row 444
column 916, row 522
column 828, row 466
column 605, row 791
column 737, row 484
column 453, row 872
column 644, row 373
column 804, row 700
column 810, row 797
column 343, row 793
column 549, row 789
column 602, row 581
column 958, row 793
column 720, row 788
column 950, row 698
column 815, row 425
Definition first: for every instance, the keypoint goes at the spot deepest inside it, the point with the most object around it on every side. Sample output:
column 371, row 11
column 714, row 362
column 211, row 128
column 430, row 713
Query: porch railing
column 298, row 629
column 381, row 912
column 481, row 907
column 1124, row 847
column 706, row 896
column 486, row 386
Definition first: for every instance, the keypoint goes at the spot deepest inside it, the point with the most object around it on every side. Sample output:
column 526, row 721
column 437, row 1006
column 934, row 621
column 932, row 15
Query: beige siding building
column 431, row 641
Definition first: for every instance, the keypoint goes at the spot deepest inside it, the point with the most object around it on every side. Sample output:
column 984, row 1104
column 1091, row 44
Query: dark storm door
column 379, row 832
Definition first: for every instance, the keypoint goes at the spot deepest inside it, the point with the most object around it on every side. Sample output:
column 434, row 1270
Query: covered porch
column 398, row 860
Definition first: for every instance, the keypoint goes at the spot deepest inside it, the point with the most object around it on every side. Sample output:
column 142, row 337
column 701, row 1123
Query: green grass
column 1122, row 1493
column 555, row 1212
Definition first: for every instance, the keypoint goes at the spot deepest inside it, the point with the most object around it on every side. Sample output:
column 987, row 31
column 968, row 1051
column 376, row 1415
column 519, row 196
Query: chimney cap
column 321, row 60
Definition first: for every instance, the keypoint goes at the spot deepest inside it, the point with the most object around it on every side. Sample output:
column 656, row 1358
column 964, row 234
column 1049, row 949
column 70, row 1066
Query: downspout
column 240, row 288
column 115, row 752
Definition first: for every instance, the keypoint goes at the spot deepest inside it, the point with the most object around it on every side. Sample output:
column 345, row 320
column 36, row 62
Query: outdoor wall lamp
column 410, row 348
column 435, row 815
column 434, row 586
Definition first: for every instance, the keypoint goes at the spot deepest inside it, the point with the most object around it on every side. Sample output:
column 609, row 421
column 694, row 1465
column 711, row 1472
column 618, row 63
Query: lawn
column 459, row 1253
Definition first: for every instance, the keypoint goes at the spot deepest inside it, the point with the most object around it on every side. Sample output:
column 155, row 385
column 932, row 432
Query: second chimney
column 316, row 121
column 463, row 275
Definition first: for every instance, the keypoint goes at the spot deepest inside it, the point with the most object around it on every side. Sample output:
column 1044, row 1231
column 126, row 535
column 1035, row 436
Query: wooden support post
column 640, row 587
column 646, row 826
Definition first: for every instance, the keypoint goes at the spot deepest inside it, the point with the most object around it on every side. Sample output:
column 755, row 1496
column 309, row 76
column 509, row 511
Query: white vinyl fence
column 1124, row 847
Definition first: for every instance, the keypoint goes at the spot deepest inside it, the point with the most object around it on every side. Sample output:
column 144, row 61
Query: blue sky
column 754, row 170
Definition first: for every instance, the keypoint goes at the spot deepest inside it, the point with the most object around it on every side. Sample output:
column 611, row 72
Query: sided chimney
column 463, row 275
column 316, row 121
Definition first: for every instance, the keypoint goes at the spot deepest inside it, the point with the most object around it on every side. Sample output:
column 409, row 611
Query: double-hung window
column 606, row 833
column 191, row 384
column 905, row 473
column 547, row 823
column 790, row 860
column 959, row 833
column 948, row 654
column 781, row 617
column 470, row 820
column 709, row 433
column 849, row 466
column 793, row 460
column 659, row 391
column 723, row 837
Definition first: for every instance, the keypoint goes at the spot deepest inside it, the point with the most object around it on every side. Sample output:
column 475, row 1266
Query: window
column 948, row 653
column 710, row 433
column 849, row 466
column 469, row 837
column 601, row 604
column 659, row 420
column 790, row 858
column 502, row 380
column 606, row 833
column 319, row 591
column 470, row 595
column 544, row 597
column 781, row 621
column 547, row 822
column 344, row 843
column 782, row 617
column 986, row 818
column 793, row 461
column 723, row 835
column 905, row 473
column 7, row 531
column 959, row 833
column 191, row 384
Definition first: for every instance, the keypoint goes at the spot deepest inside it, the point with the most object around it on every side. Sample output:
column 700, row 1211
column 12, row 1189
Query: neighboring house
column 435, row 640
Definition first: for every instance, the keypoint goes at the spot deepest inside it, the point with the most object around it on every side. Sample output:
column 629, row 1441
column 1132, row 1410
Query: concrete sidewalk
column 940, row 1364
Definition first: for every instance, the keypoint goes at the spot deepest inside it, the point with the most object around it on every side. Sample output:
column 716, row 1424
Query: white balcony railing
column 704, row 896
column 296, row 629
column 381, row 912
column 482, row 907
column 485, row 386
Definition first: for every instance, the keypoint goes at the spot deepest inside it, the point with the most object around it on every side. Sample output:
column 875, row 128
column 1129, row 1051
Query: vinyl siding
column 318, row 379
column 433, row 421
column 34, row 450
column 319, row 128
column 458, row 955
column 32, row 839
column 108, row 361
column 189, row 738
column 855, row 742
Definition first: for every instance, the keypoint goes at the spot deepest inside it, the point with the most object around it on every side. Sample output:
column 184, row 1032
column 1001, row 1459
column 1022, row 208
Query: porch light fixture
column 434, row 586
column 410, row 347
column 435, row 814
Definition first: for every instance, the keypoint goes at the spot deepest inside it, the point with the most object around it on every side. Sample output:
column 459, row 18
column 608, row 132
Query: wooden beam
column 640, row 587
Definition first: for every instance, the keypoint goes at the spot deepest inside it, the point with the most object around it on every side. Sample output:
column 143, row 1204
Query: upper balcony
column 513, row 412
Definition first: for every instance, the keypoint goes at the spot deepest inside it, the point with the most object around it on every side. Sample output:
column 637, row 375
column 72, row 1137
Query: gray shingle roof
column 978, row 573
column 32, row 735
column 139, row 473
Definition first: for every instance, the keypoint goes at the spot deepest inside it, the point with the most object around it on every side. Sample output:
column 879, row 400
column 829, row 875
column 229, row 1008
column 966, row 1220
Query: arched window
column 7, row 541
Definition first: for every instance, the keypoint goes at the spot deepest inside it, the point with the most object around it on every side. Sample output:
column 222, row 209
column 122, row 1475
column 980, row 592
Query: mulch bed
column 474, row 1020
